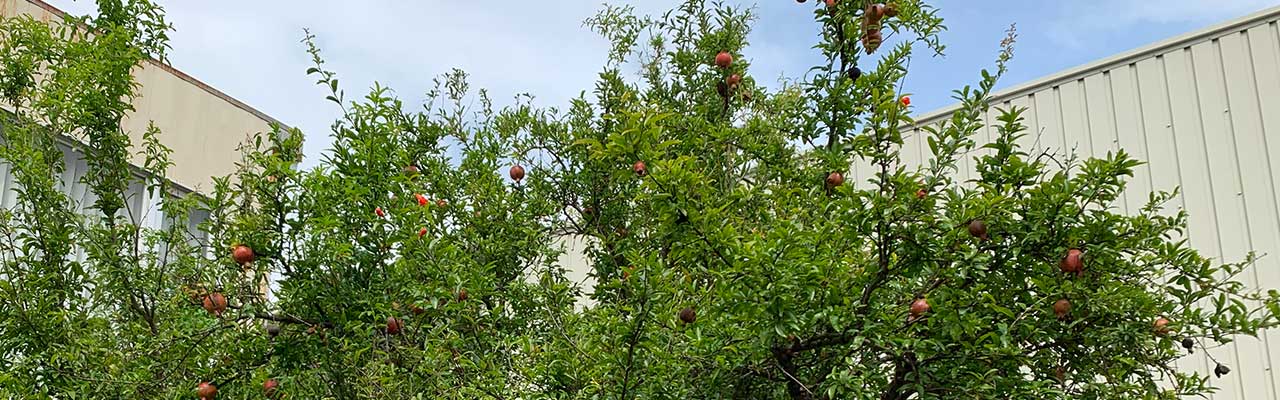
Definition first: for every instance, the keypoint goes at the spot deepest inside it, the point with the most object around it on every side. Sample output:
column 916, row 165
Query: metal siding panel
column 1157, row 122
column 1049, row 114
column 1127, row 109
column 1224, row 187
column 6, row 185
column 1165, row 105
column 1075, row 123
column 1264, row 47
column 1258, row 198
column 1101, row 116
column 1028, row 142
column 909, row 153
column 1191, row 159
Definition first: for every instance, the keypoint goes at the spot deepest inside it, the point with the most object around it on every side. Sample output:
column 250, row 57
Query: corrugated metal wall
column 1204, row 111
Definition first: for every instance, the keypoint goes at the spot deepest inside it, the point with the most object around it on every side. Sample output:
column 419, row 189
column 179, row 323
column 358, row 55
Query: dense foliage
column 733, row 253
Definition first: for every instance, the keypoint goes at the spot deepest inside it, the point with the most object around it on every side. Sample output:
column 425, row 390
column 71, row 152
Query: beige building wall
column 1204, row 111
column 202, row 125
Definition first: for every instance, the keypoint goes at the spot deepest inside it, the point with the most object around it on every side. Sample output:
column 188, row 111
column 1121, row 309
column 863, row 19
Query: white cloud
column 1085, row 21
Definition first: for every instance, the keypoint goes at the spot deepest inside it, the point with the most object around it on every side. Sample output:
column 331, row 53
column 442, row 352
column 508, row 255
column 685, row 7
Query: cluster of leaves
column 726, row 259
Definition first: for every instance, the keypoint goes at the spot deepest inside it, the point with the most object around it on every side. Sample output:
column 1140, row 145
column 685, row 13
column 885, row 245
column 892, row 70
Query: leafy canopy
column 732, row 250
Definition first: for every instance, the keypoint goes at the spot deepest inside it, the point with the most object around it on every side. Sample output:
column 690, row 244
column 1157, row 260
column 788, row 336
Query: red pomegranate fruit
column 1062, row 308
column 269, row 387
column 978, row 229
column 835, row 179
column 724, row 60
column 919, row 307
column 215, row 303
column 394, row 326
column 206, row 391
column 242, row 254
column 517, row 173
column 1161, row 326
column 1073, row 262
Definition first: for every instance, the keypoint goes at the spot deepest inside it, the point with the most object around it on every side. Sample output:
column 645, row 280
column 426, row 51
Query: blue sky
column 250, row 48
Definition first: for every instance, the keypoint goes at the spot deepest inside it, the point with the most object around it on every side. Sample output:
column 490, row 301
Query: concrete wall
column 1204, row 111
column 202, row 125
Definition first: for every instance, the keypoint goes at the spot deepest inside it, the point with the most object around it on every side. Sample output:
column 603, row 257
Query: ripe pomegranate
column 687, row 315
column 978, row 229
column 875, row 12
column 422, row 200
column 517, row 173
column 733, row 80
column 1061, row 308
column 835, row 179
column 1073, row 262
column 919, row 307
column 215, row 303
column 1161, row 326
column 269, row 387
column 871, row 41
column 394, row 326
column 422, row 232
column 906, row 100
column 640, row 169
column 242, row 254
column 831, row 3
column 411, row 170
column 379, row 212
column 920, row 194
column 441, row 203
column 462, row 294
column 206, row 391
column 723, row 60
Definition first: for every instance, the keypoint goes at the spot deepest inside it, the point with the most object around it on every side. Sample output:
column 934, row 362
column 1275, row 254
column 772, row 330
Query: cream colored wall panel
column 1099, row 114
column 1192, row 160
column 1264, row 47
column 1129, row 135
column 1075, row 120
column 1049, row 113
column 1224, row 185
column 1030, row 141
column 1163, row 147
column 1203, row 111
column 202, row 125
column 1256, row 192
column 1157, row 133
